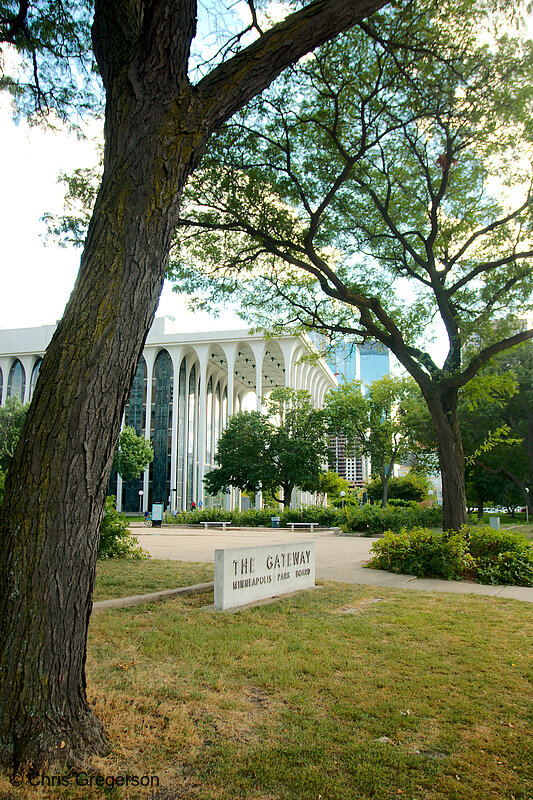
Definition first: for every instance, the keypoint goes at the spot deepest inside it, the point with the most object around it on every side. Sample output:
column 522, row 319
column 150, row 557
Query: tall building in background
column 349, row 361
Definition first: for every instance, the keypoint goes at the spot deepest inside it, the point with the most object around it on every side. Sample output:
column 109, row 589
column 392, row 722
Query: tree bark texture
column 156, row 128
column 443, row 409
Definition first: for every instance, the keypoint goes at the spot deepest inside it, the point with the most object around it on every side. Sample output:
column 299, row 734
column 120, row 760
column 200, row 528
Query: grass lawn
column 116, row 577
column 343, row 693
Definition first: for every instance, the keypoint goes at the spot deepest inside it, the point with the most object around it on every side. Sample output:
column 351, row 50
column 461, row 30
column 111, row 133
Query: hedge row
column 373, row 520
column 324, row 516
column 367, row 519
column 483, row 555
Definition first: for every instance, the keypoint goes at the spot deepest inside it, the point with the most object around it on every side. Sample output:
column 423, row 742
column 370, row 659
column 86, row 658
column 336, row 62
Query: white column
column 259, row 353
column 230, row 351
column 119, row 493
column 27, row 365
column 176, row 357
column 188, row 367
column 150, row 360
column 203, row 354
column 258, row 350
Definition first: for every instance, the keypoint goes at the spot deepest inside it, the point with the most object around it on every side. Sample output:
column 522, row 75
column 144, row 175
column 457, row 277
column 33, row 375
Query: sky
column 36, row 277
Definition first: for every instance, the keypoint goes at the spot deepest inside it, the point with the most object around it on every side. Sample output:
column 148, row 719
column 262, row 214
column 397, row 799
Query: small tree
column 133, row 455
column 331, row 484
column 372, row 423
column 12, row 416
column 242, row 455
column 405, row 487
column 284, row 449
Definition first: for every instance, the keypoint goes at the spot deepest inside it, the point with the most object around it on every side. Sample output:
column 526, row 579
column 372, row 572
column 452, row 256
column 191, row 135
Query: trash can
column 275, row 522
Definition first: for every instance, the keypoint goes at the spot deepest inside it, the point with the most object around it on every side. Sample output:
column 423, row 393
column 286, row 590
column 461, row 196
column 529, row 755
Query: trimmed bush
column 115, row 538
column 485, row 555
column 420, row 552
column 501, row 557
column 374, row 520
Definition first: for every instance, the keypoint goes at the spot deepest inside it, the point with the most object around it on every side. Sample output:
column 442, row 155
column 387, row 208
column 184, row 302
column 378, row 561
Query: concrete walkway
column 338, row 558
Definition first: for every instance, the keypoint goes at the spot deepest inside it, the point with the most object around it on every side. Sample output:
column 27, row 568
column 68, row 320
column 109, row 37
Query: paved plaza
column 338, row 558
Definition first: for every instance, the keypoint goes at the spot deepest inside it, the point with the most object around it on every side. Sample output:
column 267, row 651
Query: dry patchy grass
column 341, row 694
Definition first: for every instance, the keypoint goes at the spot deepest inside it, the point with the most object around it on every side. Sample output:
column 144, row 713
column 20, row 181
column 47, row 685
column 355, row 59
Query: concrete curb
column 139, row 599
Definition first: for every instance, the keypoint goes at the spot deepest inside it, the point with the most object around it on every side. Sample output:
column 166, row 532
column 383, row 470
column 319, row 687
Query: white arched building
column 185, row 388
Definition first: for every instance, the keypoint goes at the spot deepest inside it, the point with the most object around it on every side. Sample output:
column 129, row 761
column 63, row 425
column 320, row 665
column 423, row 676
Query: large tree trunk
column 56, row 486
column 156, row 128
column 443, row 410
column 385, row 486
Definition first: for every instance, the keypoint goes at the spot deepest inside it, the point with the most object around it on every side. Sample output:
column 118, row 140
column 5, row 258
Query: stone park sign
column 246, row 574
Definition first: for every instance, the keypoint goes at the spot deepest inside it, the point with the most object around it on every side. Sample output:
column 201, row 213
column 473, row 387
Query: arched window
column 34, row 375
column 16, row 383
column 161, row 427
column 182, row 449
column 191, row 431
column 135, row 417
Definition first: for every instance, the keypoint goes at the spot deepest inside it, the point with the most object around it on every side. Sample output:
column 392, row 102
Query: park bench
column 219, row 522
column 311, row 525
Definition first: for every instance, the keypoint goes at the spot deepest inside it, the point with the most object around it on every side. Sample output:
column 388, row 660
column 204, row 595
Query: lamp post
column 343, row 495
column 140, row 501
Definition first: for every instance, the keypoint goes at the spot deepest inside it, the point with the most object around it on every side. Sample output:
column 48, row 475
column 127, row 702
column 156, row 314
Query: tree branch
column 484, row 355
column 231, row 85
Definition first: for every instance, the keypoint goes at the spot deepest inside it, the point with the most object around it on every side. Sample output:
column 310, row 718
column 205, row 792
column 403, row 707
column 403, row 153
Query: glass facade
column 135, row 417
column 161, row 428
column 375, row 362
column 16, row 384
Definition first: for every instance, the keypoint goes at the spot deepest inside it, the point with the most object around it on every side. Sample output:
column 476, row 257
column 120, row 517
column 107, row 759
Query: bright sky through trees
column 33, row 159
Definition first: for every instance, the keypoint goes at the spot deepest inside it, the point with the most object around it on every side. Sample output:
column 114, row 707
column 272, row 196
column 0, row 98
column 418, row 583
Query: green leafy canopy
column 282, row 448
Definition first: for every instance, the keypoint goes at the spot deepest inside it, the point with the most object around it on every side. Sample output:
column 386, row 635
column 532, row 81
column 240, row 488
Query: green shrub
column 486, row 555
column 115, row 538
column 512, row 569
column 420, row 552
column 399, row 503
column 374, row 520
column 501, row 557
column 488, row 541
